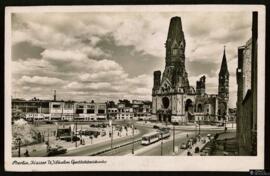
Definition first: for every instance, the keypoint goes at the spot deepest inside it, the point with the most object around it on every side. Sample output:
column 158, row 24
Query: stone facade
column 247, row 94
column 173, row 99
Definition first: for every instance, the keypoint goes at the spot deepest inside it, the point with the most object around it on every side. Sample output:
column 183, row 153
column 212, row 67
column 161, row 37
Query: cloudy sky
column 110, row 56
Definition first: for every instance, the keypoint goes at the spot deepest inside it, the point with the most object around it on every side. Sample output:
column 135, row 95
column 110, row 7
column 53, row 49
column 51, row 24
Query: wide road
column 167, row 148
column 90, row 150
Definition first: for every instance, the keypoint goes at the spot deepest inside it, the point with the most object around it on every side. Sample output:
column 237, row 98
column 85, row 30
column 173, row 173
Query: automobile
column 75, row 138
column 101, row 125
column 193, row 140
column 203, row 141
column 165, row 128
column 93, row 125
column 184, row 146
column 103, row 133
column 175, row 123
column 156, row 127
column 56, row 150
column 220, row 124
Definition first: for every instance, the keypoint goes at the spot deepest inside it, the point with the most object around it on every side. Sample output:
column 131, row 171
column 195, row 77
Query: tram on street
column 150, row 138
column 155, row 136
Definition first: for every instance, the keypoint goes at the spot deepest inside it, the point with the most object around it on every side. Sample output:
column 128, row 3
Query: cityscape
column 170, row 113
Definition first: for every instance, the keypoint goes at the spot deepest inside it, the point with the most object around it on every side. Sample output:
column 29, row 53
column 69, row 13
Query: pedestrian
column 26, row 154
column 187, row 135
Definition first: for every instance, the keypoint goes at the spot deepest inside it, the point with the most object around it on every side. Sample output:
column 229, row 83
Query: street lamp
column 224, row 118
column 173, row 139
column 18, row 140
column 161, row 149
column 133, row 138
column 111, row 123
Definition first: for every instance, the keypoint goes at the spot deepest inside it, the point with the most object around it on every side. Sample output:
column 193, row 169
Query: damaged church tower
column 173, row 99
column 168, row 92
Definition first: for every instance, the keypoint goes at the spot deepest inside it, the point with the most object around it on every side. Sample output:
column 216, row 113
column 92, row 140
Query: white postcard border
column 139, row 163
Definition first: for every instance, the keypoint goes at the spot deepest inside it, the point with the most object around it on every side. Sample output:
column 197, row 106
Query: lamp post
column 48, row 137
column 161, row 146
column 199, row 126
column 18, row 140
column 224, row 118
column 133, row 138
column 173, row 138
column 75, row 134
column 111, row 123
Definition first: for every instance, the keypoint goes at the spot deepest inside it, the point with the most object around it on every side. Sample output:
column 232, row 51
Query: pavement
column 41, row 149
column 199, row 144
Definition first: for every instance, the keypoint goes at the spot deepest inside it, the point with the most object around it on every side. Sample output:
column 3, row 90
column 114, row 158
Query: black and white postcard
column 134, row 88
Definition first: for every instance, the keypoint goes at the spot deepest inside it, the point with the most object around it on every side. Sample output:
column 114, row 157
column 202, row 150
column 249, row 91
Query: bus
column 150, row 138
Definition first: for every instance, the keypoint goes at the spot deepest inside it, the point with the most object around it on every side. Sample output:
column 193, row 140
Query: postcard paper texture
column 133, row 88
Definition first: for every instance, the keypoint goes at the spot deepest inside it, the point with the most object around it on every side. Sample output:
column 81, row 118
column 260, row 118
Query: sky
column 110, row 56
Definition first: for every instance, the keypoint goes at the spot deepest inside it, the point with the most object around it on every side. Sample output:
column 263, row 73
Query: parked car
column 56, row 150
column 156, row 127
column 175, row 123
column 75, row 138
column 220, row 124
column 103, row 133
column 93, row 125
column 184, row 146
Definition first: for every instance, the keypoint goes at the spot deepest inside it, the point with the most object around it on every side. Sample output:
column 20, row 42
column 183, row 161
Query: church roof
column 224, row 67
column 175, row 29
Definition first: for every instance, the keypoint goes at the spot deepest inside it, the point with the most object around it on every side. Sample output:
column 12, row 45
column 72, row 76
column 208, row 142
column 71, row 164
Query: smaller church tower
column 200, row 86
column 157, row 80
column 223, row 80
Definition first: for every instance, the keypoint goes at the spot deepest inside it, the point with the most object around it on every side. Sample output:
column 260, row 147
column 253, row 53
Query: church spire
column 224, row 67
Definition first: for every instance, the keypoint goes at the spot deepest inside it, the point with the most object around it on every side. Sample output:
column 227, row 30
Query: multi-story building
column 59, row 110
column 247, row 93
column 141, row 109
column 112, row 112
column 125, row 111
column 90, row 111
column 31, row 110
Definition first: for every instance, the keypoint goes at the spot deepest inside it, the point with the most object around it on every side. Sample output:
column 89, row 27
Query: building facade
column 247, row 94
column 173, row 99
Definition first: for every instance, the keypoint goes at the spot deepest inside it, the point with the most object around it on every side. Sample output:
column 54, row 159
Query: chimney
column 54, row 96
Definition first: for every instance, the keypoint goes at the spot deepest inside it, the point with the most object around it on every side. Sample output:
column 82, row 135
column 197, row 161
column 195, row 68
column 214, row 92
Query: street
column 124, row 145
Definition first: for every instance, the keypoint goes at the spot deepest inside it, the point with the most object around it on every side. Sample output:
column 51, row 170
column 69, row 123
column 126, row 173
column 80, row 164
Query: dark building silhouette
column 247, row 93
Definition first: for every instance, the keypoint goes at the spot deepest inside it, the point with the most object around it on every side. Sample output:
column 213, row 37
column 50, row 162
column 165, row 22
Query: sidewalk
column 42, row 147
column 199, row 144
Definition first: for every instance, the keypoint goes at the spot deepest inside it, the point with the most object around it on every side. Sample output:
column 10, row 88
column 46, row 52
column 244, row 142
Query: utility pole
column 161, row 149
column 75, row 134
column 133, row 138
column 111, row 135
column 19, row 145
column 81, row 135
column 173, row 138
column 48, row 137
column 199, row 127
